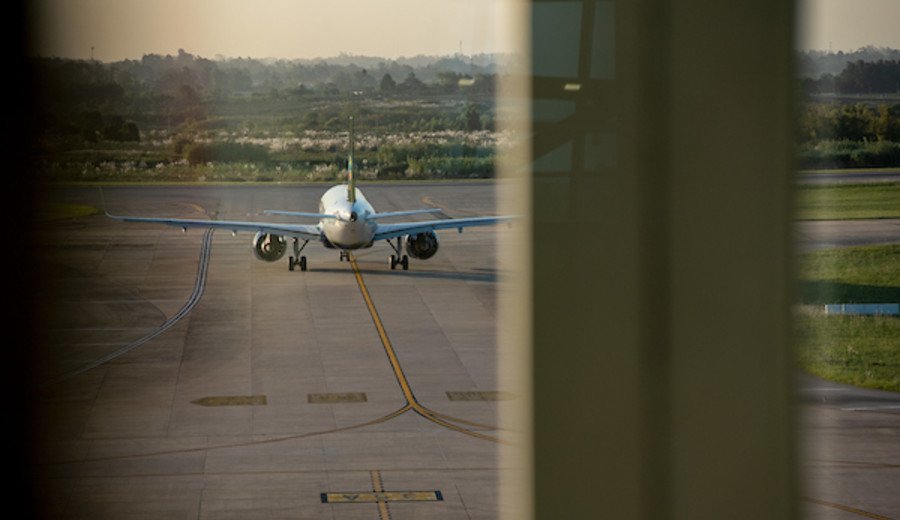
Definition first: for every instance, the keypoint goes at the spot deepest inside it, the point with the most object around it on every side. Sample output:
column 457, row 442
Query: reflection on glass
column 556, row 38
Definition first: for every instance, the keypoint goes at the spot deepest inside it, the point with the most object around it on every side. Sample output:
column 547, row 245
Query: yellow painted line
column 433, row 417
column 462, row 421
column 346, row 397
column 378, row 485
column 388, row 348
column 232, row 400
column 480, row 396
column 381, row 497
column 848, row 509
column 398, row 371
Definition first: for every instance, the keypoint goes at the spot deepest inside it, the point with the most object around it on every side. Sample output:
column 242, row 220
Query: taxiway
column 347, row 391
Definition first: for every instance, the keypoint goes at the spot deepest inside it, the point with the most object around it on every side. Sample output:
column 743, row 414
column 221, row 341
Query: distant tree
column 363, row 81
column 447, row 81
column 412, row 84
column 861, row 77
column 472, row 117
column 887, row 123
column 855, row 122
column 186, row 93
column 115, row 128
column 483, row 84
column 387, row 85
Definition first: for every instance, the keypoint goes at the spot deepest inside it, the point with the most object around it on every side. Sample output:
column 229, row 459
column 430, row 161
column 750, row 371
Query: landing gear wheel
column 403, row 262
column 301, row 263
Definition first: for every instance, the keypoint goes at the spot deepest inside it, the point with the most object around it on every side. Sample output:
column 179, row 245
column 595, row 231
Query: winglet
column 351, row 177
column 103, row 201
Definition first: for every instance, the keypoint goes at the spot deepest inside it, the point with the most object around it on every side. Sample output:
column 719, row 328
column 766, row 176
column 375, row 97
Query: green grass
column 847, row 201
column 857, row 350
column 55, row 211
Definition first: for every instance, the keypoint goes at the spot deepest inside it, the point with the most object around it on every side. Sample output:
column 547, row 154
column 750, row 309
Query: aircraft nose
column 353, row 216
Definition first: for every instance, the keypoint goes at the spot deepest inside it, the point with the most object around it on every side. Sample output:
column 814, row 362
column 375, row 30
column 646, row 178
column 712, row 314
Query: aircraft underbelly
column 346, row 236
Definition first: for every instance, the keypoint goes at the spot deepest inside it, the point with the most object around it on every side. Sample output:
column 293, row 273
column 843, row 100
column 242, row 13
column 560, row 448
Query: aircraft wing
column 304, row 231
column 411, row 228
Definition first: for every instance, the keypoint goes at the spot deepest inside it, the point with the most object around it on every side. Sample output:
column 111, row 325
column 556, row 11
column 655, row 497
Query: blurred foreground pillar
column 661, row 157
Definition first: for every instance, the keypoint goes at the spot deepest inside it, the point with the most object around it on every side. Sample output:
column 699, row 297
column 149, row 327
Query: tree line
column 813, row 64
column 189, row 118
column 164, row 75
column 834, row 135
column 83, row 101
column 849, row 114
column 857, row 77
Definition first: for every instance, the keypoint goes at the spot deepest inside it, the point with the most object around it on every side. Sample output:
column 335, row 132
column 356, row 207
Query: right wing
column 411, row 228
column 304, row 231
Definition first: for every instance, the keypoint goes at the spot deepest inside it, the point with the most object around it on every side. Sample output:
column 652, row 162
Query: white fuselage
column 352, row 229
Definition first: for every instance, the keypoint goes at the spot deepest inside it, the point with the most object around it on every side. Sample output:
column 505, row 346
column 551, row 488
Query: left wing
column 411, row 228
column 305, row 231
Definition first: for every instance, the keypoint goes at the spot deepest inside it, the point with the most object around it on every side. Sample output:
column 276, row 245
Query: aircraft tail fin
column 351, row 169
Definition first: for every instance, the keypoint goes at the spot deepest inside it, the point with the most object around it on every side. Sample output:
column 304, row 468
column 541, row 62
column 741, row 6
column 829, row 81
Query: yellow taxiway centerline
column 398, row 371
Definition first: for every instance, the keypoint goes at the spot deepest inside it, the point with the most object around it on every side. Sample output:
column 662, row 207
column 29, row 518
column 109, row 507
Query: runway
column 347, row 391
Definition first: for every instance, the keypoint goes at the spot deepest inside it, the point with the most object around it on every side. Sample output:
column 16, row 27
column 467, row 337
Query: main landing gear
column 297, row 259
column 398, row 259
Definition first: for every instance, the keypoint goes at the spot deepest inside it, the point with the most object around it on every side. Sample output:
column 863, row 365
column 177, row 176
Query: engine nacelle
column 422, row 246
column 269, row 247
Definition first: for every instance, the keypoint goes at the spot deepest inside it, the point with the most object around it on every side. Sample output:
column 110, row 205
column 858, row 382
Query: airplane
column 347, row 222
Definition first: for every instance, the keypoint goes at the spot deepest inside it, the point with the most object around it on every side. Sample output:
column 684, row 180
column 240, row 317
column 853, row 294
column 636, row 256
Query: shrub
column 228, row 152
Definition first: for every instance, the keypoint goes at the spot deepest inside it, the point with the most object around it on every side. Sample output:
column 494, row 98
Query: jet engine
column 422, row 246
column 269, row 247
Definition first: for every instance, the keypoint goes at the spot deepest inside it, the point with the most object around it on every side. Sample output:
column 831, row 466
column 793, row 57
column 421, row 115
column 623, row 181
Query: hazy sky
column 120, row 29
column 847, row 25
column 128, row 29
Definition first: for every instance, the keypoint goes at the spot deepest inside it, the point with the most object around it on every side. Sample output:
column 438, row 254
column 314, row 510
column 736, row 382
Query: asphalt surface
column 850, row 451
column 347, row 391
column 850, row 177
column 828, row 234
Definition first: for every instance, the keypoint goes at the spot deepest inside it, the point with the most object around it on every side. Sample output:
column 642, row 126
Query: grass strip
column 47, row 211
column 858, row 350
column 847, row 201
